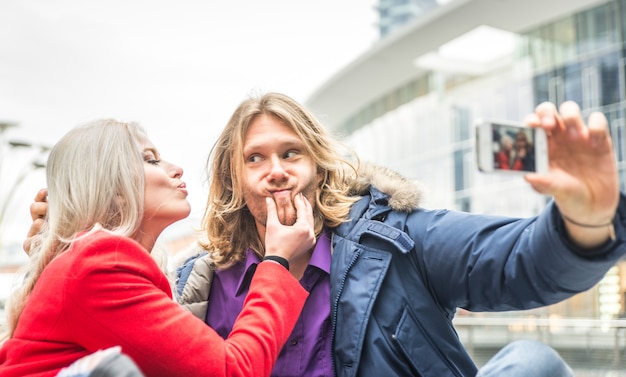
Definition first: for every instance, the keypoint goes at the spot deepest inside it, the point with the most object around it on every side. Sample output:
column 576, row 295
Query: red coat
column 107, row 290
column 502, row 162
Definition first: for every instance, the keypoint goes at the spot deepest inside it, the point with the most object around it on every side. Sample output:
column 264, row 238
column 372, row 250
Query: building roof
column 389, row 63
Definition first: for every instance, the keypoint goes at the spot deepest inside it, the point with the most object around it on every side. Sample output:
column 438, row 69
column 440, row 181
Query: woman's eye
column 153, row 162
column 254, row 158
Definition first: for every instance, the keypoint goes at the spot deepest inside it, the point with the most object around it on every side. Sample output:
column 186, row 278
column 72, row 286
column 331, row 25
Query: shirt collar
column 319, row 259
column 247, row 271
column 321, row 253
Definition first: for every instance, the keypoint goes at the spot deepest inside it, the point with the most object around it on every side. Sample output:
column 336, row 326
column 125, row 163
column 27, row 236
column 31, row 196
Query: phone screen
column 508, row 147
column 513, row 148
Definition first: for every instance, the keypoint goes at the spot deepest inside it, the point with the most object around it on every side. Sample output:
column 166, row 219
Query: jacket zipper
column 336, row 303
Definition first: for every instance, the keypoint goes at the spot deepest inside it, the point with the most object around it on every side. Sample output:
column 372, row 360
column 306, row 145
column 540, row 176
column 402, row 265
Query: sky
column 178, row 68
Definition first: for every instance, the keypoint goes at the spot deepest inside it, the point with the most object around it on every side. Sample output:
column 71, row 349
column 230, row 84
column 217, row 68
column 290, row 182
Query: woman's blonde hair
column 95, row 180
column 230, row 227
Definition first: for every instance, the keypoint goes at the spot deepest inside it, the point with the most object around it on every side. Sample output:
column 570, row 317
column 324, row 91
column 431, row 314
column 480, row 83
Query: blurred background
column 401, row 81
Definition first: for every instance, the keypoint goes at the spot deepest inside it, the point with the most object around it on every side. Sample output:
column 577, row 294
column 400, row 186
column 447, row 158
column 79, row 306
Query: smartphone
column 510, row 147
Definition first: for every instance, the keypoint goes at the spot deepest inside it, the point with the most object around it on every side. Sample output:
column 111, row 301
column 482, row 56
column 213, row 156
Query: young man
column 399, row 272
column 383, row 305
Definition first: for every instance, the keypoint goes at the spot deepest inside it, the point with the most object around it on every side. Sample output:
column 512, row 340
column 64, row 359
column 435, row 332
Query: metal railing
column 585, row 343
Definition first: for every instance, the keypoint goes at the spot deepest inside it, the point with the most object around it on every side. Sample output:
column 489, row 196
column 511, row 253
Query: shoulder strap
column 379, row 222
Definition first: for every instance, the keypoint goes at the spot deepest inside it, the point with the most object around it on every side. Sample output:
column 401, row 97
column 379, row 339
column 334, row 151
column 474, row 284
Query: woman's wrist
column 276, row 259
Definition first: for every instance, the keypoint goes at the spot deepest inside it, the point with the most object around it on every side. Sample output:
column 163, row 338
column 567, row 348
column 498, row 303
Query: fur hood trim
column 404, row 195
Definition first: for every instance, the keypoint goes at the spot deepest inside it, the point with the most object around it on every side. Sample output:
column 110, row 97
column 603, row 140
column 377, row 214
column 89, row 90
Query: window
column 572, row 83
column 608, row 66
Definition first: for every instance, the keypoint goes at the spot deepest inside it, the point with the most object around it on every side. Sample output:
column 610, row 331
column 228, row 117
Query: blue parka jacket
column 399, row 273
column 398, row 277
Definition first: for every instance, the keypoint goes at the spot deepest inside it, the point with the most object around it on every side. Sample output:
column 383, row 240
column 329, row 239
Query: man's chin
column 288, row 222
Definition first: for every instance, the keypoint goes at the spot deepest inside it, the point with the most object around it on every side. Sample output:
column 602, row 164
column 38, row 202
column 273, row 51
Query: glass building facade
column 395, row 13
column 424, row 129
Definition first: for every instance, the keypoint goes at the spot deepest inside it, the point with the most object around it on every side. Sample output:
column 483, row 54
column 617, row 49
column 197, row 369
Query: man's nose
column 277, row 170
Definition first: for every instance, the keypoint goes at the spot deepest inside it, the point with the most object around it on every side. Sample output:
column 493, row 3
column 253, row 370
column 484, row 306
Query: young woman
column 93, row 284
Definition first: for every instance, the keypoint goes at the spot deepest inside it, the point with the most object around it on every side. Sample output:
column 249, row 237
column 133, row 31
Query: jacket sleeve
column 118, row 296
column 490, row 263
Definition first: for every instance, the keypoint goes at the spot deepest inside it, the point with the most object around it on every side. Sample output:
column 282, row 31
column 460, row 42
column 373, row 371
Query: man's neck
column 299, row 265
column 296, row 266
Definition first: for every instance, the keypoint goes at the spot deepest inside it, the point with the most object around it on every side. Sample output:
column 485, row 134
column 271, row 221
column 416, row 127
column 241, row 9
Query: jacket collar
column 386, row 188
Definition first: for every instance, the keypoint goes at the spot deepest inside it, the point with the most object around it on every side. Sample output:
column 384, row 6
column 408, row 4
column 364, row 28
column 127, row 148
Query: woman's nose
column 176, row 171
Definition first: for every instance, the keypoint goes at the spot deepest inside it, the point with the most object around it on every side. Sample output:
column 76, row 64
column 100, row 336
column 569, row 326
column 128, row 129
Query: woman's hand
column 289, row 241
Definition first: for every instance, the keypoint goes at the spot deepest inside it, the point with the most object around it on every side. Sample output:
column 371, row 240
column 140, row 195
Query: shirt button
column 294, row 342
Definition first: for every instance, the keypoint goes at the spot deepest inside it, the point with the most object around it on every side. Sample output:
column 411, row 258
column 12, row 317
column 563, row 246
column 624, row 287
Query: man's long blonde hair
column 230, row 227
column 95, row 180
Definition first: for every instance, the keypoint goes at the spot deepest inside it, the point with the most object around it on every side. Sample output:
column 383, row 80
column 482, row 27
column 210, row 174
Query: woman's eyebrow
column 153, row 151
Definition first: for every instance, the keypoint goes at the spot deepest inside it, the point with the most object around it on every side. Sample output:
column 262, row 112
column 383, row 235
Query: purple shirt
column 307, row 351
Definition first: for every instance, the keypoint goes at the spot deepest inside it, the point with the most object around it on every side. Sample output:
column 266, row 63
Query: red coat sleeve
column 117, row 296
